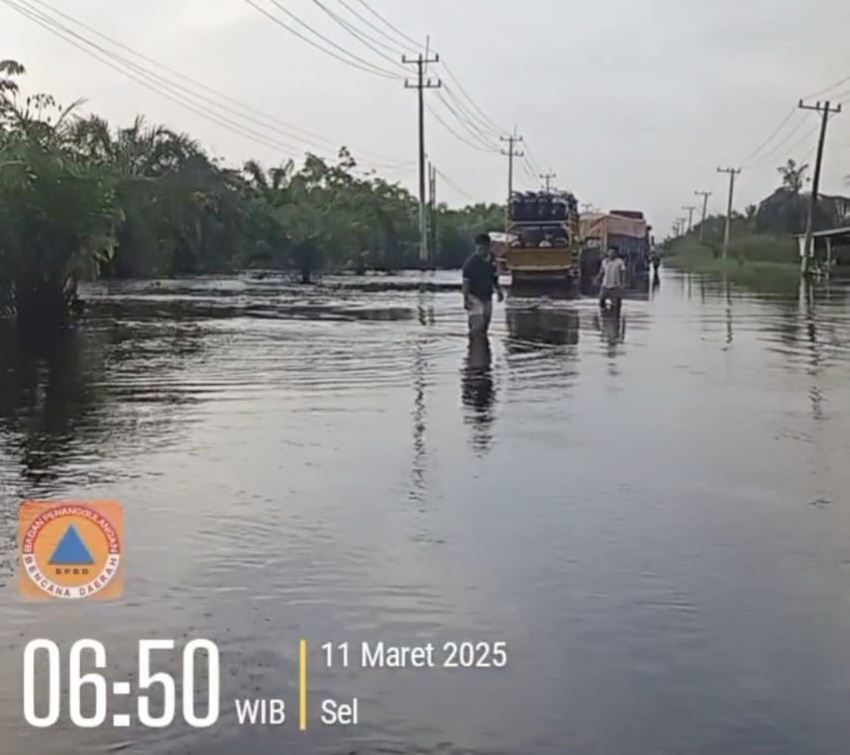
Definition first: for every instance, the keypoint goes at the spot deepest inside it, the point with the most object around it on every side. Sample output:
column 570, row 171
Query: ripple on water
column 636, row 507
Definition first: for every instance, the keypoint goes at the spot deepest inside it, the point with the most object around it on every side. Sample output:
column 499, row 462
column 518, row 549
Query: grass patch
column 758, row 262
column 750, row 256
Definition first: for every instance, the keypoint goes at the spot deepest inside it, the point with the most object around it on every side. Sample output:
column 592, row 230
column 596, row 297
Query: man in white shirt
column 612, row 278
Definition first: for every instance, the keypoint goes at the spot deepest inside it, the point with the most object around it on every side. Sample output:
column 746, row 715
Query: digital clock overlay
column 71, row 550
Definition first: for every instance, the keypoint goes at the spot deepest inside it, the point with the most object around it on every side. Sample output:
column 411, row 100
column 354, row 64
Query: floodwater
column 653, row 514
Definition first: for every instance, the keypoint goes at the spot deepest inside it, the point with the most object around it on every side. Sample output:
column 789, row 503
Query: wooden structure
column 830, row 249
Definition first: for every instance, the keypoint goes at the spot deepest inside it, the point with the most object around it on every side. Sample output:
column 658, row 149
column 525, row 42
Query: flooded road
column 652, row 514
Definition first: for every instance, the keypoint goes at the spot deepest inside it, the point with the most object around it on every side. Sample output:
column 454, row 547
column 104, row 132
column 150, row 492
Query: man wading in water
column 480, row 280
column 612, row 280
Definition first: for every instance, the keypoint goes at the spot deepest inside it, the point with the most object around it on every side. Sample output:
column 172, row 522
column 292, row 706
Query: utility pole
column 511, row 153
column 825, row 110
column 432, row 204
column 705, row 195
column 728, row 229
column 690, row 208
column 421, row 84
column 547, row 177
column 680, row 226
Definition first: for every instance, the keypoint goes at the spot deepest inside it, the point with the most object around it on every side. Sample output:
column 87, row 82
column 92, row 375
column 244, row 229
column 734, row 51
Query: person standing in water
column 612, row 278
column 480, row 280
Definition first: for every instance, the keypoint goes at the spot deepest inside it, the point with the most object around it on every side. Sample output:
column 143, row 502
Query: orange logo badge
column 71, row 549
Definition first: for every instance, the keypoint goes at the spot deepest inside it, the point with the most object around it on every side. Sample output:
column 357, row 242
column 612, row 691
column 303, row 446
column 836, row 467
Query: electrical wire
column 281, row 127
column 481, row 118
column 788, row 136
column 354, row 12
column 417, row 45
column 448, row 128
column 490, row 123
column 770, row 138
column 174, row 92
column 474, row 120
column 354, row 61
column 57, row 29
column 485, row 131
column 361, row 36
column 529, row 168
column 466, row 195
column 476, row 135
column 821, row 92
column 529, row 155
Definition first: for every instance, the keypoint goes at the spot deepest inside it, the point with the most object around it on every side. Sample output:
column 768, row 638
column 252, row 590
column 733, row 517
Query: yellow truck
column 544, row 228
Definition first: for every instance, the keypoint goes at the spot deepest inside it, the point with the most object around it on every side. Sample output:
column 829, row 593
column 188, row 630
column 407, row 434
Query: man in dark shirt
column 480, row 280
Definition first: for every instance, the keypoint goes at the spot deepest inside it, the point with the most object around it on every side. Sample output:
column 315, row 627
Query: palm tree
column 793, row 176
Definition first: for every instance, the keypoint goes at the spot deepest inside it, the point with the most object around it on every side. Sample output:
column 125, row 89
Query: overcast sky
column 633, row 104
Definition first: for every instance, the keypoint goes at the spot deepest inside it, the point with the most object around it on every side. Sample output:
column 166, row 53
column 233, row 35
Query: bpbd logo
column 71, row 550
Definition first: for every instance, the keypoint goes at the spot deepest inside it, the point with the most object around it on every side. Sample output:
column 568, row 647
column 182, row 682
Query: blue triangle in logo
column 71, row 550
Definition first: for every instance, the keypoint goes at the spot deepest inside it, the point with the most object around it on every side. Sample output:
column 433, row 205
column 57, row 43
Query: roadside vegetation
column 81, row 199
column 762, row 238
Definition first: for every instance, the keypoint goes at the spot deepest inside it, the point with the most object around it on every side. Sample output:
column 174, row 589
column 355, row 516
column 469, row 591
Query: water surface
column 651, row 513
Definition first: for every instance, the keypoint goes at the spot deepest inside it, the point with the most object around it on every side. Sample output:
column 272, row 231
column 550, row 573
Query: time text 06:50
column 98, row 689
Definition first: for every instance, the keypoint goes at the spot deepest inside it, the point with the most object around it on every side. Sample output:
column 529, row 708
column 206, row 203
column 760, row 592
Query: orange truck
column 627, row 230
column 544, row 231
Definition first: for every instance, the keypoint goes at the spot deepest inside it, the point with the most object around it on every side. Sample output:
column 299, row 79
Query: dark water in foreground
column 653, row 516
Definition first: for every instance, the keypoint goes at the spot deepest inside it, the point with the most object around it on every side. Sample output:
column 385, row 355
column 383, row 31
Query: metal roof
column 844, row 231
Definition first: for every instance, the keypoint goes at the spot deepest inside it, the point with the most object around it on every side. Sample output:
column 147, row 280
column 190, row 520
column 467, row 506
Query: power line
column 477, row 135
column 464, row 194
column 488, row 121
column 448, row 128
column 142, row 77
column 529, row 156
column 281, row 127
column 825, row 110
column 417, row 45
column 399, row 49
column 767, row 141
column 481, row 119
column 727, row 232
column 705, row 195
column 362, row 37
column 355, row 61
column 512, row 140
column 484, row 133
column 822, row 92
column 421, row 62
column 788, row 136
column 547, row 178
column 528, row 168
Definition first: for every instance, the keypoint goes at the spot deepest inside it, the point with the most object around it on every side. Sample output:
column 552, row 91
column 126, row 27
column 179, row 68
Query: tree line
column 81, row 200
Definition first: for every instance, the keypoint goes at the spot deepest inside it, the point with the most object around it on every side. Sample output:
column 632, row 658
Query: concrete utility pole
column 547, row 178
column 705, row 195
column 690, row 209
column 432, row 206
column 511, row 153
column 680, row 226
column 825, row 110
column 421, row 84
column 728, row 229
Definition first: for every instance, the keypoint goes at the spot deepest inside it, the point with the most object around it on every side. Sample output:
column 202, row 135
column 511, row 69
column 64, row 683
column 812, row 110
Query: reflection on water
column 478, row 391
column 541, row 324
column 653, row 517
